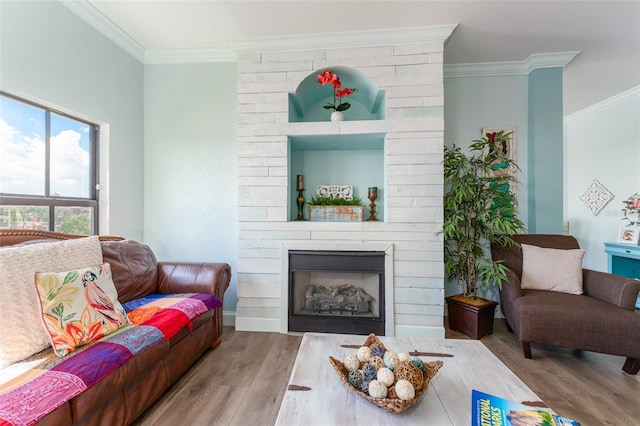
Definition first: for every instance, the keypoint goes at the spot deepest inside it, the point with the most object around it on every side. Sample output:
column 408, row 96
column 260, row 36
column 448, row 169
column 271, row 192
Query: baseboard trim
column 258, row 324
column 229, row 318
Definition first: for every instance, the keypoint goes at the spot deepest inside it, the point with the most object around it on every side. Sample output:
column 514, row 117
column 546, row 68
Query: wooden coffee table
column 446, row 402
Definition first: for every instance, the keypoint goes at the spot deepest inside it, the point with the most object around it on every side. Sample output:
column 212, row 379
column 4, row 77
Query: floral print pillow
column 76, row 306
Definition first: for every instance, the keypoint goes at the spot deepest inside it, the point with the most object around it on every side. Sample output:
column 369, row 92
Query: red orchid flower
column 337, row 96
column 329, row 77
column 344, row 92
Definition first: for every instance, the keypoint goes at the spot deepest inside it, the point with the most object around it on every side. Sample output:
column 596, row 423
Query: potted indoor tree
column 479, row 209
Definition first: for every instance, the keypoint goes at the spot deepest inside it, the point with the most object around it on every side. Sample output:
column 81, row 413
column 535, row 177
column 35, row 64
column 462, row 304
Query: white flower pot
column 337, row 116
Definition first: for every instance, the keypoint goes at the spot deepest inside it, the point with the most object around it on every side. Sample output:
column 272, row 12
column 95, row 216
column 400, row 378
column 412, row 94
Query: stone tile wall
column 412, row 76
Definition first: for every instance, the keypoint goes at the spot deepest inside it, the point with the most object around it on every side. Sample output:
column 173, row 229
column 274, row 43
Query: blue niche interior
column 306, row 103
column 356, row 160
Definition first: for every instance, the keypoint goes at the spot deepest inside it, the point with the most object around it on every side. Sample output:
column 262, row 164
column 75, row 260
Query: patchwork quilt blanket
column 32, row 388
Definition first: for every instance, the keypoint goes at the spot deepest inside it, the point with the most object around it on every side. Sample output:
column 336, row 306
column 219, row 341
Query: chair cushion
column 576, row 322
column 552, row 269
column 79, row 306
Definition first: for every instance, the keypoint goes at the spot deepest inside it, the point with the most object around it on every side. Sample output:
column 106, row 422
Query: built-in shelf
column 356, row 160
column 343, row 142
column 349, row 152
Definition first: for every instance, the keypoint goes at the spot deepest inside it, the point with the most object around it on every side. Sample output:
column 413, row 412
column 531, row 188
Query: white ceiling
column 607, row 33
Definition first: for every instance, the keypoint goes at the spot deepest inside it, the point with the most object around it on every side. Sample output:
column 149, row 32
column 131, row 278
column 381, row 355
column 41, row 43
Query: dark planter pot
column 474, row 321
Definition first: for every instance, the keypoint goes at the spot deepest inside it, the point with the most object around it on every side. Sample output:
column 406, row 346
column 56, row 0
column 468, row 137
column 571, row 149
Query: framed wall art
column 508, row 147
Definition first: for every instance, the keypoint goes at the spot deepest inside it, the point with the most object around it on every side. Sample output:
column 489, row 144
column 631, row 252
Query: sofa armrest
column 511, row 289
column 617, row 290
column 509, row 292
column 193, row 277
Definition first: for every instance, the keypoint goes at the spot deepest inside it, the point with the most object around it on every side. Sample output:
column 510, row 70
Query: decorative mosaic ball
column 377, row 351
column 418, row 363
column 405, row 390
column 351, row 362
column 364, row 386
column 403, row 356
column 377, row 362
column 377, row 390
column 364, row 353
column 390, row 360
column 355, row 377
column 385, row 376
column 391, row 392
column 369, row 371
column 407, row 371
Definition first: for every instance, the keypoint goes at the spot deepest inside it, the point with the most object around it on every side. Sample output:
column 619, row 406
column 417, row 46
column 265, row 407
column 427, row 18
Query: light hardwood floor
column 243, row 381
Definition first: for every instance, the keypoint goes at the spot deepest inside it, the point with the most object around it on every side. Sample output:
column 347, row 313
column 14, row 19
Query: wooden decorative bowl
column 391, row 405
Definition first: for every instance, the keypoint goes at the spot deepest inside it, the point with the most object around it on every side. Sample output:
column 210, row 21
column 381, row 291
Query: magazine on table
column 491, row 410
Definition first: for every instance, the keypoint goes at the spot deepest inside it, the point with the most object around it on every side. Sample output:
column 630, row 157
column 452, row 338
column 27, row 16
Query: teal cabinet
column 624, row 260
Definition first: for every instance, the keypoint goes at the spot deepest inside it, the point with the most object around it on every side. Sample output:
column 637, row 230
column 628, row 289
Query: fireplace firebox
column 337, row 291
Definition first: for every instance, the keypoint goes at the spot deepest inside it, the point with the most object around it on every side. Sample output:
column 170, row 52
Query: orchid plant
column 631, row 206
column 329, row 77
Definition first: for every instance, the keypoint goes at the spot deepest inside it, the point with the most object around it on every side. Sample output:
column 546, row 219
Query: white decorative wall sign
column 335, row 191
column 595, row 197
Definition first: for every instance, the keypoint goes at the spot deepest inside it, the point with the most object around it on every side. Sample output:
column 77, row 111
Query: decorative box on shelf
column 336, row 213
column 326, row 211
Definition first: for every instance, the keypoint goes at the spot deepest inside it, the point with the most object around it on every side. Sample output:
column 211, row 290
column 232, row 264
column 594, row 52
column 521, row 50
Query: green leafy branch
column 334, row 201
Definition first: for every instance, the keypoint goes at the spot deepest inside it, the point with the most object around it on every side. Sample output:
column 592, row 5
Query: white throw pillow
column 552, row 269
column 21, row 330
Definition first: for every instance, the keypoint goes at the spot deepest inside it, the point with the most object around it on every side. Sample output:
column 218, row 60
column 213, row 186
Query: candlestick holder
column 373, row 195
column 300, row 203
column 300, row 198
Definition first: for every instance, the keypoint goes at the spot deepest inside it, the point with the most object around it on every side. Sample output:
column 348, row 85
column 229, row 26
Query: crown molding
column 97, row 20
column 188, row 56
column 631, row 94
column 369, row 38
column 535, row 61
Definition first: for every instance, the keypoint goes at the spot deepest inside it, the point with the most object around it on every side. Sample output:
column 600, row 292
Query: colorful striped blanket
column 32, row 388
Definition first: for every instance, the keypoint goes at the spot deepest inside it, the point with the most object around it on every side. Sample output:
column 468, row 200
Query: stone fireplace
column 392, row 139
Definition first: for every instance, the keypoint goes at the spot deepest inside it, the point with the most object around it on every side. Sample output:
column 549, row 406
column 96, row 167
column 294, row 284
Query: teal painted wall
column 361, row 169
column 545, row 152
column 50, row 55
column 190, row 150
column 472, row 103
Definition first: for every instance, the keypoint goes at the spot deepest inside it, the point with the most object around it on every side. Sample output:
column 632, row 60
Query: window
column 48, row 169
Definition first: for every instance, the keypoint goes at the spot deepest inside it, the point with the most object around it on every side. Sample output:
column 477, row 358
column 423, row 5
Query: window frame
column 46, row 200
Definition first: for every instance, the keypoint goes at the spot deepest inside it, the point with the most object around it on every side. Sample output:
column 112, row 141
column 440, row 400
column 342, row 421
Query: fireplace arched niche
column 306, row 103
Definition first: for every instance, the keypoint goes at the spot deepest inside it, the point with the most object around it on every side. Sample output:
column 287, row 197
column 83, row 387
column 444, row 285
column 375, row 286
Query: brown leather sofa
column 600, row 320
column 124, row 394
